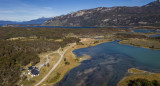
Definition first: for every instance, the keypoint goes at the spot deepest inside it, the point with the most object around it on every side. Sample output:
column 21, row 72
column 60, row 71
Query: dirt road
column 54, row 66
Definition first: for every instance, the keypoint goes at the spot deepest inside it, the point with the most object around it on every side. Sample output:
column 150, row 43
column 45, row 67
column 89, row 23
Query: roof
column 34, row 72
column 30, row 68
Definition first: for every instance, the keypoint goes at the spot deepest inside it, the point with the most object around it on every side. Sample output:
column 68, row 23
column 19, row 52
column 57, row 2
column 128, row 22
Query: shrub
column 143, row 82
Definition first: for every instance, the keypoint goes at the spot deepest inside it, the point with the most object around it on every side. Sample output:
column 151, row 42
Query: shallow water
column 109, row 64
column 144, row 31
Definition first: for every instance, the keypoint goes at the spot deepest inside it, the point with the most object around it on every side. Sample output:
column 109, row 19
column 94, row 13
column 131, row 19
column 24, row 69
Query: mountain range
column 35, row 21
column 146, row 15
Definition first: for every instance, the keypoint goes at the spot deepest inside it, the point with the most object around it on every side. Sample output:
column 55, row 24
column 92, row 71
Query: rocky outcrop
column 114, row 16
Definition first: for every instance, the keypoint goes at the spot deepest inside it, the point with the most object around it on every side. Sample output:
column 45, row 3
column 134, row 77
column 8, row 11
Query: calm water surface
column 109, row 64
column 144, row 31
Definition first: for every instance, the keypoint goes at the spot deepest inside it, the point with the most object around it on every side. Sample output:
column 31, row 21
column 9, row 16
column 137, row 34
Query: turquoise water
column 142, row 55
column 109, row 64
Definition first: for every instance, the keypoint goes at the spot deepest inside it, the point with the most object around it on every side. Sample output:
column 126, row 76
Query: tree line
column 15, row 54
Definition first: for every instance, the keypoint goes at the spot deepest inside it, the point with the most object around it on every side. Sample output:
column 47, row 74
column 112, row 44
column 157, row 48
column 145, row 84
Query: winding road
column 54, row 66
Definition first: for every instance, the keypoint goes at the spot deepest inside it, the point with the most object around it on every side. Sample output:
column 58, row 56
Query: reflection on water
column 109, row 64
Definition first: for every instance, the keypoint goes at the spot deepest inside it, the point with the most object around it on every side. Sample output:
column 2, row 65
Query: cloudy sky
column 23, row 10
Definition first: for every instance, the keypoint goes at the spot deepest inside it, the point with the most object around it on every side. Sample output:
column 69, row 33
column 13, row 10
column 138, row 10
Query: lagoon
column 143, row 31
column 109, row 63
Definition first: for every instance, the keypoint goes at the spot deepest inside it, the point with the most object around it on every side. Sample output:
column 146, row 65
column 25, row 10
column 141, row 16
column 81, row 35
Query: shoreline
column 138, row 46
column 70, row 57
column 141, row 46
column 62, row 68
column 135, row 73
column 70, row 51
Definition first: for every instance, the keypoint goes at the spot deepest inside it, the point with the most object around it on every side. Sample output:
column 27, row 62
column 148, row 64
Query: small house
column 33, row 71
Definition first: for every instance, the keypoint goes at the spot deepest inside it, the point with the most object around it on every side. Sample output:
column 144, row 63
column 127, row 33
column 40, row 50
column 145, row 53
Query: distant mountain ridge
column 35, row 21
column 114, row 16
column 2, row 22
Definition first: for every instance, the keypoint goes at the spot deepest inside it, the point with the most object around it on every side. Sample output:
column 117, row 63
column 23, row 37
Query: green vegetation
column 77, row 59
column 20, row 46
column 129, row 35
column 67, row 63
column 143, row 82
column 16, row 54
column 54, row 33
column 138, row 77
column 139, row 39
column 147, row 43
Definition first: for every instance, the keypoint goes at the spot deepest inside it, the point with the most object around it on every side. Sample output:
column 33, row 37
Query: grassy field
column 139, row 74
column 62, row 69
column 146, row 43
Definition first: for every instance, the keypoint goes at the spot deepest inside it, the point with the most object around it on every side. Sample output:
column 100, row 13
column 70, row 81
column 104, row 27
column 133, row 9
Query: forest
column 18, row 52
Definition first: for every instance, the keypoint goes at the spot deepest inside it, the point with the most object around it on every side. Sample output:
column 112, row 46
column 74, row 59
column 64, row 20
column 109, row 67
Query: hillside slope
column 114, row 16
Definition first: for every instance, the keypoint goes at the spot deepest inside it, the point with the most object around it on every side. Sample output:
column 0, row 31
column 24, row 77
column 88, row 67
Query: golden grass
column 31, row 38
column 71, row 58
column 62, row 68
column 146, row 43
column 135, row 71
column 59, row 40
column 17, row 38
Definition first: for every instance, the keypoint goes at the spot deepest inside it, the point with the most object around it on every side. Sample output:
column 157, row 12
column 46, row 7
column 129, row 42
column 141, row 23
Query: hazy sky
column 22, row 10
